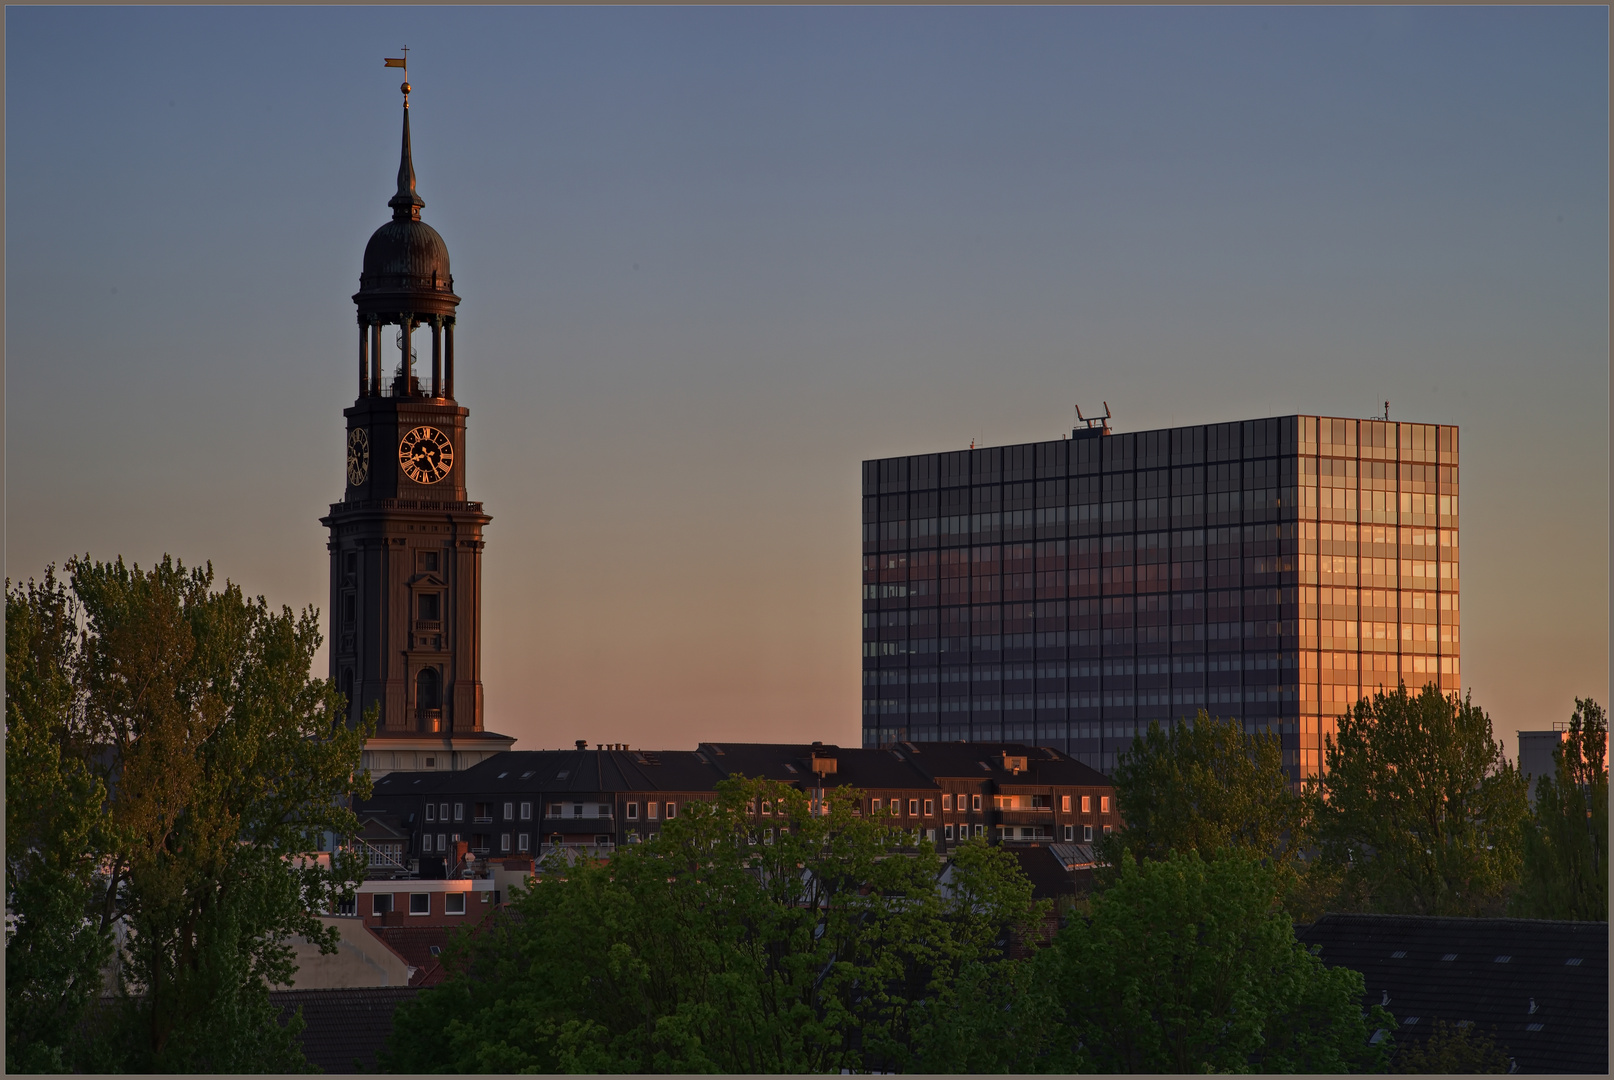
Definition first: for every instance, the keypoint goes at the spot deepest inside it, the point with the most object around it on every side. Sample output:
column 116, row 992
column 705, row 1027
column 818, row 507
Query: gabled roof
column 866, row 769
column 415, row 945
column 984, row 761
column 1492, row 972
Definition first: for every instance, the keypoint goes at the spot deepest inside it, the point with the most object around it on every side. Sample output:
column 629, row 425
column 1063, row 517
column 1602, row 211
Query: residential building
column 527, row 804
column 1067, row 593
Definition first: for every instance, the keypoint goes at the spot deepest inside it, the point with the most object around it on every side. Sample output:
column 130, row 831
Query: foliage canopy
column 1417, row 810
column 209, row 765
column 1566, row 838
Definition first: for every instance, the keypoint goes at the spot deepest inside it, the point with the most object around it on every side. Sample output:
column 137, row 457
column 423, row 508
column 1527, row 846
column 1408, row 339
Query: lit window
column 1087, row 804
column 1104, row 804
column 650, row 810
column 633, row 811
column 455, row 903
column 420, row 903
column 1064, row 803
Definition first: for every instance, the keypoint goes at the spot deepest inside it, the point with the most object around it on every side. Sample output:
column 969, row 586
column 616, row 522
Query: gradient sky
column 713, row 258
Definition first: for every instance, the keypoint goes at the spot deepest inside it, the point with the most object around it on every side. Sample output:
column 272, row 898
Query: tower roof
column 406, row 268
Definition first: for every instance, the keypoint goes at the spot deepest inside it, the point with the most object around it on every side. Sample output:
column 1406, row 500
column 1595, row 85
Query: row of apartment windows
column 484, row 811
column 421, row 903
column 999, row 802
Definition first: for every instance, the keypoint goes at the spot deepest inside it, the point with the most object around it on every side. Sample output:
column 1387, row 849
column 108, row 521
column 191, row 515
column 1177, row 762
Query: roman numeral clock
column 406, row 540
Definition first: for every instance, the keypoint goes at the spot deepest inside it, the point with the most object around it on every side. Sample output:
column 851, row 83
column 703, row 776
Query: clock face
column 426, row 455
column 358, row 456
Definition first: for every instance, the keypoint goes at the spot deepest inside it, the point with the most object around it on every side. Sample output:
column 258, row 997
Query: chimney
column 582, row 744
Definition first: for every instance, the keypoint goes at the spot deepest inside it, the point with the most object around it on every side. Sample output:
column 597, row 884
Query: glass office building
column 1066, row 593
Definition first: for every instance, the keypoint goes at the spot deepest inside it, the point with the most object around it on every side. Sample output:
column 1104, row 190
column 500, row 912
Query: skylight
column 1399, row 954
column 1449, row 956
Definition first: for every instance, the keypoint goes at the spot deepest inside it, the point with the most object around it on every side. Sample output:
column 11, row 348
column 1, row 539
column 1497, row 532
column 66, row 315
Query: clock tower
column 406, row 539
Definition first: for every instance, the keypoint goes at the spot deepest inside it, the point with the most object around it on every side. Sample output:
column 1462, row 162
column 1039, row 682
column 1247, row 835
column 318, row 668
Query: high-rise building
column 1066, row 593
column 406, row 540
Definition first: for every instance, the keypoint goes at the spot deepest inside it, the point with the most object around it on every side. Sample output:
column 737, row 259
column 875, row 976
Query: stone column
column 375, row 354
column 437, row 356
column 364, row 360
column 448, row 349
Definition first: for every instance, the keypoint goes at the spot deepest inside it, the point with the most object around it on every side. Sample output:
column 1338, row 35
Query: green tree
column 1206, row 785
column 803, row 941
column 1566, row 839
column 1452, row 1049
column 1188, row 965
column 56, row 824
column 222, row 765
column 1417, row 810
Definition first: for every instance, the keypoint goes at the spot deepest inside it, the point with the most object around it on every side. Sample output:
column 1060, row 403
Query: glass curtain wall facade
column 1066, row 593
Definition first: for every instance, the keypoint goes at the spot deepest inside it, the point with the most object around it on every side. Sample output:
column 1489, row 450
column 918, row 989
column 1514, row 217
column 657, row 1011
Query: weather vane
column 403, row 62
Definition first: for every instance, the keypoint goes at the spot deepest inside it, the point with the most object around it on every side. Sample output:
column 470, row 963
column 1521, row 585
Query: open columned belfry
column 406, row 540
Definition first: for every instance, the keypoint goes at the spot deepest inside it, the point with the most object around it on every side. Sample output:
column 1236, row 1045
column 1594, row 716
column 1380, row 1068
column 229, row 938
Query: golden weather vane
column 400, row 62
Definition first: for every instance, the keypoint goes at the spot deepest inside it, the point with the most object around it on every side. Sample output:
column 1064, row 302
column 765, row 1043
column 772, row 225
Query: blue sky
column 714, row 257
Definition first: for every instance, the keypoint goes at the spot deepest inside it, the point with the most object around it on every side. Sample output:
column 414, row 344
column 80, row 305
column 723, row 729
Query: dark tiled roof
column 415, row 945
column 344, row 1027
column 1044, row 764
column 866, row 769
column 1489, row 971
column 1048, row 875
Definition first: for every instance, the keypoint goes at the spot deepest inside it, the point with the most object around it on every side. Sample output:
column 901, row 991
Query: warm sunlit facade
column 1068, row 592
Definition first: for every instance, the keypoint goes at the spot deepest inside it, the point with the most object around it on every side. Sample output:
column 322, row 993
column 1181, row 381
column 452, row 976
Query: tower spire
column 406, row 204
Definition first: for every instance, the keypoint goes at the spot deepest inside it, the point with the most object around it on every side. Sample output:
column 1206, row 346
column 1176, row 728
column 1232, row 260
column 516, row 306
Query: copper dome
column 406, row 262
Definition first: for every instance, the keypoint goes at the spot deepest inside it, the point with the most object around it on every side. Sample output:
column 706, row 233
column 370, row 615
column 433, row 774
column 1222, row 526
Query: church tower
column 406, row 539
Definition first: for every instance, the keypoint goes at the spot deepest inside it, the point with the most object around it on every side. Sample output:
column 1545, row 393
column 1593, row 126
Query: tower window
column 349, row 609
column 428, row 561
column 428, row 607
column 350, row 563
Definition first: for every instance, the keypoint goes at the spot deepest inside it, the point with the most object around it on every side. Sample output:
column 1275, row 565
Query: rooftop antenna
column 1092, row 425
column 1387, row 410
